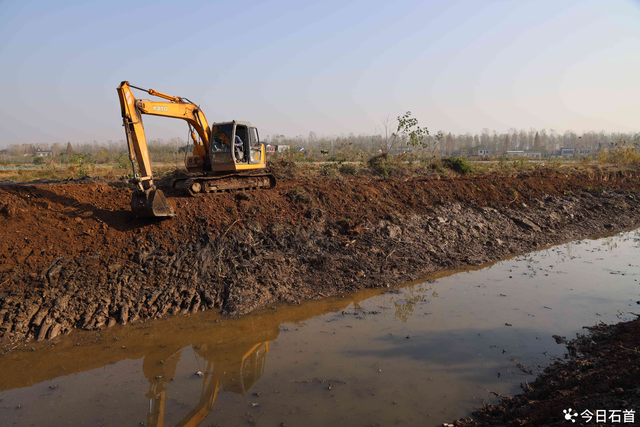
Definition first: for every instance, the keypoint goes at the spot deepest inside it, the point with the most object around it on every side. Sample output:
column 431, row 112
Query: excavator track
column 218, row 184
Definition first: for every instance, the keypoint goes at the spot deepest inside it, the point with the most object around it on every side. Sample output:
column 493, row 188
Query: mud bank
column 603, row 374
column 72, row 255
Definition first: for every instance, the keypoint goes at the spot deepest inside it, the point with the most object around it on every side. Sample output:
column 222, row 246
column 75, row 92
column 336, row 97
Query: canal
column 420, row 354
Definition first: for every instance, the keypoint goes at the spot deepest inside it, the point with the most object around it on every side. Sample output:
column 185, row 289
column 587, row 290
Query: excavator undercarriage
column 218, row 184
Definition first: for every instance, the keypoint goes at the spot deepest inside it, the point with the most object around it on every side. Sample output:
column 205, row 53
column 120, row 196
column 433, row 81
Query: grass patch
column 347, row 169
column 283, row 168
column 329, row 170
column 383, row 165
column 620, row 153
column 458, row 164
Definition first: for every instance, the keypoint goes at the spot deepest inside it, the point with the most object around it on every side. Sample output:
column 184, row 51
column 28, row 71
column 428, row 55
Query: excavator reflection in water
column 231, row 354
column 235, row 366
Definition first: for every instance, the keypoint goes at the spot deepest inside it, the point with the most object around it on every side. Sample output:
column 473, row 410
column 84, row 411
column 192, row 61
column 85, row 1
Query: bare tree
column 537, row 145
column 388, row 138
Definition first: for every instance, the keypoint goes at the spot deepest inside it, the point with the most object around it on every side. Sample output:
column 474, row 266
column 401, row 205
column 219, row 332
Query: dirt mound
column 72, row 255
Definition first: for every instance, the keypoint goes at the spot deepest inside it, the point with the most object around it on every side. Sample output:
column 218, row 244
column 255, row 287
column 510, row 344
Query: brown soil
column 603, row 374
column 73, row 256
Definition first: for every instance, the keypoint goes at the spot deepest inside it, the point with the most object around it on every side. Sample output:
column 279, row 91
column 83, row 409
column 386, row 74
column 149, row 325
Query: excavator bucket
column 151, row 203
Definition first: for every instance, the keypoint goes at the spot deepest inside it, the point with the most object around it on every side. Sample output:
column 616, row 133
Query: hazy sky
column 330, row 67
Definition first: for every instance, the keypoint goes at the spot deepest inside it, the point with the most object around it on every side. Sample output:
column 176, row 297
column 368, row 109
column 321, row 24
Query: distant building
column 515, row 153
column 484, row 152
column 530, row 154
column 43, row 153
column 584, row 152
column 567, row 152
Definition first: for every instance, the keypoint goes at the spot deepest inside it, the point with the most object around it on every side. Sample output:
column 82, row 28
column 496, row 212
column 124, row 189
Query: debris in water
column 523, row 369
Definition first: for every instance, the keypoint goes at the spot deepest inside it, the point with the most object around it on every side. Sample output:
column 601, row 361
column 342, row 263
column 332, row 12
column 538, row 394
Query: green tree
column 408, row 127
column 407, row 130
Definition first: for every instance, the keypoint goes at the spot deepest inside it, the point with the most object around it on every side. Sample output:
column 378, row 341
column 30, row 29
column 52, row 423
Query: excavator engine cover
column 151, row 203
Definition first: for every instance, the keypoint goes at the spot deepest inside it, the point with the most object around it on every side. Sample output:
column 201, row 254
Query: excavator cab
column 244, row 139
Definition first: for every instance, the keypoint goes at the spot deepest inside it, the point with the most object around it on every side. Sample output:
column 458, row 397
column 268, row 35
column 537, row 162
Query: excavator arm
column 188, row 112
column 147, row 200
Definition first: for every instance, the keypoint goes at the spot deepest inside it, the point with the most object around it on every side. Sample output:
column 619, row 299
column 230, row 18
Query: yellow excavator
column 225, row 157
column 235, row 366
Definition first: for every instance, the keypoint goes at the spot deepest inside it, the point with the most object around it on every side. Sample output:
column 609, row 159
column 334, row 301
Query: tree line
column 392, row 136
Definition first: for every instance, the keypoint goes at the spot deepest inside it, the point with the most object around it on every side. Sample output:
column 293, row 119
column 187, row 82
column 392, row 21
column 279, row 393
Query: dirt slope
column 73, row 256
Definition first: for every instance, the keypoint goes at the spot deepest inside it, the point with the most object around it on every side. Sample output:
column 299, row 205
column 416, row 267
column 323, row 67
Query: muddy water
column 422, row 354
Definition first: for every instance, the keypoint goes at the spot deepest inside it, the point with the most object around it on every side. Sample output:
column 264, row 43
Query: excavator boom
column 147, row 200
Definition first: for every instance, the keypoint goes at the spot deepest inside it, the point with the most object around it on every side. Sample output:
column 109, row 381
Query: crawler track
column 218, row 184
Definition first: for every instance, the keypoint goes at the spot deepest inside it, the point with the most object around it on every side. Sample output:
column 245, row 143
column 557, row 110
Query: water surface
column 419, row 355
